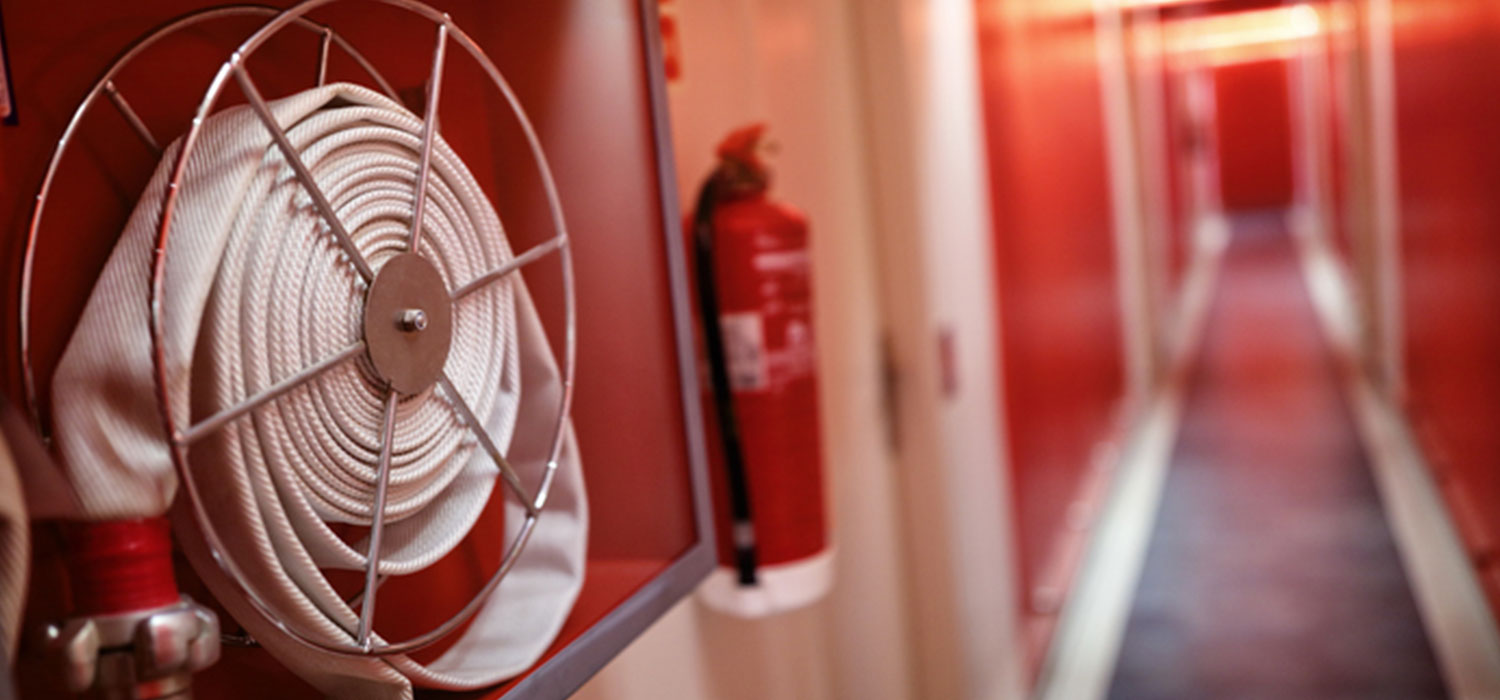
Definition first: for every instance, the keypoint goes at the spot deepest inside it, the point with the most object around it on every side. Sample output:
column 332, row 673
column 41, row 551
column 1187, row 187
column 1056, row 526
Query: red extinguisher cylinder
column 763, row 277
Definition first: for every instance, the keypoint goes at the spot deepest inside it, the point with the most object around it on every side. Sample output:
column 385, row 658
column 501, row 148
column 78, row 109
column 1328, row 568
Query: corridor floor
column 1271, row 572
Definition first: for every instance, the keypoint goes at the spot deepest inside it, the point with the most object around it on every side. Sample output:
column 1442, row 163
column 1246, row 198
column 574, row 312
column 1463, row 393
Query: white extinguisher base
column 779, row 588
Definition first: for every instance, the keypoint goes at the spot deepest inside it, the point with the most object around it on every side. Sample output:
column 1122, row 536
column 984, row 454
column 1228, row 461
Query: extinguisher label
column 745, row 348
column 786, row 261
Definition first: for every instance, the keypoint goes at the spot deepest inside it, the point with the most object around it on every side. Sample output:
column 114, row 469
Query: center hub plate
column 408, row 355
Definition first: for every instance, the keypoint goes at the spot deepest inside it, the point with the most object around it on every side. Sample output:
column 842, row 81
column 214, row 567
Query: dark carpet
column 1271, row 571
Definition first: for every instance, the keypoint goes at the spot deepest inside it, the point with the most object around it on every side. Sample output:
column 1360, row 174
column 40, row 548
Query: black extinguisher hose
column 713, row 335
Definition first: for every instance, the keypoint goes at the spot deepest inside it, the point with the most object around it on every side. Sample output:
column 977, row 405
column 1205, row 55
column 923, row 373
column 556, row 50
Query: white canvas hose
column 15, row 554
column 258, row 291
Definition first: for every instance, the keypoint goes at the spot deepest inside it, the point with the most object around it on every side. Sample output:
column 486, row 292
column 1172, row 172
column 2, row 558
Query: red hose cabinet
column 589, row 75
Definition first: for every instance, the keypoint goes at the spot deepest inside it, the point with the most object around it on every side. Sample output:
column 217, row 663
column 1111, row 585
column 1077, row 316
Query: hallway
column 748, row 349
column 1271, row 570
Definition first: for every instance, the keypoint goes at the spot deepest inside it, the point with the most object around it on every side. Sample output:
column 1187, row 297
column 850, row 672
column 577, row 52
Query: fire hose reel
column 313, row 351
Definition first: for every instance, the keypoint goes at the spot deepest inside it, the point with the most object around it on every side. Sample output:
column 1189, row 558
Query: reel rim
column 103, row 86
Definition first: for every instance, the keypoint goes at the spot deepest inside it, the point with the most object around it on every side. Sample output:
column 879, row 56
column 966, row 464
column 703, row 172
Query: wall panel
column 1448, row 105
column 1255, row 139
column 1061, row 357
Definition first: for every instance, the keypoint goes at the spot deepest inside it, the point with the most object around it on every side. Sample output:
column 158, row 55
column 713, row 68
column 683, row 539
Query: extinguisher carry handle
column 745, row 555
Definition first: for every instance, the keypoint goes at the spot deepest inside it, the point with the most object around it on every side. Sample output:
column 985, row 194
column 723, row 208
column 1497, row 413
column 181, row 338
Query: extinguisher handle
column 745, row 556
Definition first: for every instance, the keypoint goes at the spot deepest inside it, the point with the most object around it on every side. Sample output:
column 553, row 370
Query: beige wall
column 934, row 226
column 791, row 63
column 874, row 107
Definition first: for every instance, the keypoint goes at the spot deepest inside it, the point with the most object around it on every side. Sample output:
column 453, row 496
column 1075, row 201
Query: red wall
column 579, row 69
column 1254, row 129
column 1059, row 310
column 1448, row 107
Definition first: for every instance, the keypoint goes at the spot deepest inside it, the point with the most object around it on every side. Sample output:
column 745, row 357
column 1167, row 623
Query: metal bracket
column 142, row 655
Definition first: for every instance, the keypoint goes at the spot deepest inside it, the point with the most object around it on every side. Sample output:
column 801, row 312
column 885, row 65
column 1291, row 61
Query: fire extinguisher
column 754, row 288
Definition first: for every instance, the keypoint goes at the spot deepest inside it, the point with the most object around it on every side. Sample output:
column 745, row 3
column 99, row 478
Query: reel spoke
column 218, row 420
column 323, row 46
column 263, row 110
column 429, row 130
column 377, row 524
column 483, row 436
column 134, row 119
column 531, row 255
column 360, row 596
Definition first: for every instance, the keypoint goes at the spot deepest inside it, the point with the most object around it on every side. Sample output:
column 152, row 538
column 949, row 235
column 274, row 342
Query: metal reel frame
column 181, row 437
column 104, row 86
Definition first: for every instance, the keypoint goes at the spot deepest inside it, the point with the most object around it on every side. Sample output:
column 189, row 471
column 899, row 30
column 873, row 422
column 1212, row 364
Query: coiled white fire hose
column 258, row 290
column 15, row 553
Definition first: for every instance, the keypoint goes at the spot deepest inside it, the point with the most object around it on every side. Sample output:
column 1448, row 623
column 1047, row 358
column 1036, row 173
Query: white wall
column 932, row 205
column 791, row 63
